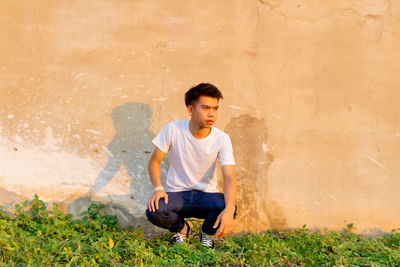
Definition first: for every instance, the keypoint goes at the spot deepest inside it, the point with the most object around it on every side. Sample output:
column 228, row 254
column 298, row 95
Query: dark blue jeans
column 187, row 204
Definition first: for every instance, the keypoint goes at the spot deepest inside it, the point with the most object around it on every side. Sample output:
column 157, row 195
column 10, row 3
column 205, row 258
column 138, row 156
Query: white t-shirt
column 193, row 161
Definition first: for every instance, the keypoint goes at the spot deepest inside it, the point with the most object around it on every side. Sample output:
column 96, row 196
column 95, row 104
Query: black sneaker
column 180, row 237
column 207, row 240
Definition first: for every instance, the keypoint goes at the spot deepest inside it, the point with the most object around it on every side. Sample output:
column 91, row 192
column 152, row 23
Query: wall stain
column 276, row 218
column 249, row 137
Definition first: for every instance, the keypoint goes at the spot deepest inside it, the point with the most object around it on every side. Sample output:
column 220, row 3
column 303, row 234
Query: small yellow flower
column 110, row 243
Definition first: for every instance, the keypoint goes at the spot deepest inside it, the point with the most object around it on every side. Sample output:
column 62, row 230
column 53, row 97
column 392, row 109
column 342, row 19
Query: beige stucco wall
column 311, row 96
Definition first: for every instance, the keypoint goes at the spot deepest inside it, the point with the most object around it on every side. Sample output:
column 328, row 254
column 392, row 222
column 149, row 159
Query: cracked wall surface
column 310, row 100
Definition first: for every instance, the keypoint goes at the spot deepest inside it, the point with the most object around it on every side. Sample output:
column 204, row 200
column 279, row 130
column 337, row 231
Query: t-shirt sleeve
column 226, row 152
column 163, row 139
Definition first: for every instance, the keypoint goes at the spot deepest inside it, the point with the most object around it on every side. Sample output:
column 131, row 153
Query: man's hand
column 225, row 222
column 152, row 203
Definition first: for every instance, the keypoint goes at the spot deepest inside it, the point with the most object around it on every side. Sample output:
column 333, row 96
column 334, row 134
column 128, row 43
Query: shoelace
column 179, row 238
column 206, row 241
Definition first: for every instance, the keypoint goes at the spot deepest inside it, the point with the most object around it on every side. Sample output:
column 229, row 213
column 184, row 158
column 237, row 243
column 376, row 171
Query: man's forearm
column 230, row 189
column 155, row 173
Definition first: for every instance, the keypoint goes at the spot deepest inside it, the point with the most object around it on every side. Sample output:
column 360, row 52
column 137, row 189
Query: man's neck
column 197, row 131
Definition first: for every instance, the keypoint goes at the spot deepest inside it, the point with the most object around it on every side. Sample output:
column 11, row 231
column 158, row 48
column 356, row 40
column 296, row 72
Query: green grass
column 36, row 236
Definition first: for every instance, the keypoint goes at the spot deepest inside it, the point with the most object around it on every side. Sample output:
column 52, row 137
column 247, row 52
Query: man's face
column 204, row 112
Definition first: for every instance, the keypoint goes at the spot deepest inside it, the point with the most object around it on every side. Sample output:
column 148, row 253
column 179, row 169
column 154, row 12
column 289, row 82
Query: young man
column 192, row 180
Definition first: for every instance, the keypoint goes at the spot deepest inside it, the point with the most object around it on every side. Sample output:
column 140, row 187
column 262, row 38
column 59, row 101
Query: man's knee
column 158, row 214
column 219, row 203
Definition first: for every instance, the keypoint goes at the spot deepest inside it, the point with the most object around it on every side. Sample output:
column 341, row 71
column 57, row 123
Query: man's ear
column 190, row 109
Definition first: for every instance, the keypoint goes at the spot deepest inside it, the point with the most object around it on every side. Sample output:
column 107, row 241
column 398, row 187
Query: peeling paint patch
column 45, row 169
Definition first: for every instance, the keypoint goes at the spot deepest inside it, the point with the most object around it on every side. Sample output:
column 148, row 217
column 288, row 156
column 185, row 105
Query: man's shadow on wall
column 131, row 147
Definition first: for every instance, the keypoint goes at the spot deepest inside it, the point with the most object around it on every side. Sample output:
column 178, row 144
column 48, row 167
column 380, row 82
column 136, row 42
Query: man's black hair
column 202, row 89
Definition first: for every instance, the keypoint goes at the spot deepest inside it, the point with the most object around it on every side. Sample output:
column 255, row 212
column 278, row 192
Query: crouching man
column 191, row 182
